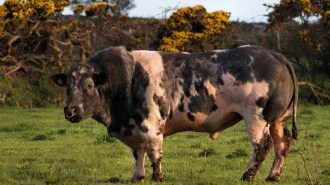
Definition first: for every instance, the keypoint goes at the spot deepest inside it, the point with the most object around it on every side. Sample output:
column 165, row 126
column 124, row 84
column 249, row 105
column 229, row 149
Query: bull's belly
column 213, row 123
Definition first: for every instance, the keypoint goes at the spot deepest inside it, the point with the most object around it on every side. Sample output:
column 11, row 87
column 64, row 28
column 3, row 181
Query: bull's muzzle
column 71, row 113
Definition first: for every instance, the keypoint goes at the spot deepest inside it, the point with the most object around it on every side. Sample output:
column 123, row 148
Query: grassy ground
column 37, row 146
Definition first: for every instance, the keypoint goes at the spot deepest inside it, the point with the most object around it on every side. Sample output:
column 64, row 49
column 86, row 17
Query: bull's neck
column 102, row 115
column 113, row 108
column 115, row 98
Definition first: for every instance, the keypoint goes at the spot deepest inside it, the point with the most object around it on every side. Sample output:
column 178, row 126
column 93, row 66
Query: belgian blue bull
column 143, row 96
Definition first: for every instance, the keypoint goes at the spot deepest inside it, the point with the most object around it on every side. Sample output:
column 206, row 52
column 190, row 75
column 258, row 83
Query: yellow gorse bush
column 326, row 18
column 215, row 22
column 183, row 16
column 176, row 41
column 61, row 4
column 113, row 7
column 101, row 8
column 305, row 36
column 306, row 7
column 193, row 25
column 17, row 10
column 79, row 8
column 303, row 10
column 97, row 8
column 44, row 8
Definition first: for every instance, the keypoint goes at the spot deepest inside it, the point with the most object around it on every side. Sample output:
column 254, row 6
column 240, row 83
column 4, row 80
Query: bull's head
column 82, row 94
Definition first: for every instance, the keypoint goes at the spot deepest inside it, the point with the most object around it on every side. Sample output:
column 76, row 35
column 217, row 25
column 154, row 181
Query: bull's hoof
column 275, row 178
column 158, row 178
column 247, row 177
column 138, row 179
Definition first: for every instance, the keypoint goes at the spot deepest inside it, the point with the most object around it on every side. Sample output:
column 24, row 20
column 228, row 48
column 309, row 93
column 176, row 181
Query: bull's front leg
column 154, row 147
column 139, row 171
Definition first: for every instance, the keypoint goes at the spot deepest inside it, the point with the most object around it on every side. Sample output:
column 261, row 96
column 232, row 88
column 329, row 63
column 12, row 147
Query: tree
column 124, row 5
column 304, row 10
column 191, row 29
column 313, row 19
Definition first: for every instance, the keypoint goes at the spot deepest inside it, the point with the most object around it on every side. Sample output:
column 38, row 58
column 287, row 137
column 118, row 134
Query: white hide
column 152, row 63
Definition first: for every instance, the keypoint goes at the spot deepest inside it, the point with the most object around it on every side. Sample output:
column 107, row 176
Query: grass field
column 38, row 146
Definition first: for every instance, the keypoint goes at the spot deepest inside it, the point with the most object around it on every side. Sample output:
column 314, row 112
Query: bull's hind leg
column 282, row 140
column 139, row 171
column 258, row 131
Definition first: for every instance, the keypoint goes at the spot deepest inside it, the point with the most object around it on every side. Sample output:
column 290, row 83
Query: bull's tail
column 294, row 100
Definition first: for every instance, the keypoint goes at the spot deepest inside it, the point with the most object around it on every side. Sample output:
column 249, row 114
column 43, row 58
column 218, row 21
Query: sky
column 241, row 10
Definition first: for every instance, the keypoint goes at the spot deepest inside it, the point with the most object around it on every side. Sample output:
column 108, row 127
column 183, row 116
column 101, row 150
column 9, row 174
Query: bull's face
column 82, row 93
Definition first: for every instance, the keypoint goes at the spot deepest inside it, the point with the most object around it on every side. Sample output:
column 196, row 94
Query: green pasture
column 38, row 146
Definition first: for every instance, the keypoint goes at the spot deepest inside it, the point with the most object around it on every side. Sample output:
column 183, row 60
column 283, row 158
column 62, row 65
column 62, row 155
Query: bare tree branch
column 316, row 91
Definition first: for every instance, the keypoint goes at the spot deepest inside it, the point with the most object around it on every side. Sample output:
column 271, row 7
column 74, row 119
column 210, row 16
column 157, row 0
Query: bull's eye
column 89, row 86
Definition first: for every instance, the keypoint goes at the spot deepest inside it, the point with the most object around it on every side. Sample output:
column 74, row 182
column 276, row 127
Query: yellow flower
column 3, row 12
column 326, row 18
column 113, row 7
column 175, row 41
column 215, row 22
column 319, row 47
column 44, row 8
column 61, row 4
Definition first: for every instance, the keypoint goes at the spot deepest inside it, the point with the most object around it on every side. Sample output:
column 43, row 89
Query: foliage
column 312, row 16
column 287, row 10
column 193, row 26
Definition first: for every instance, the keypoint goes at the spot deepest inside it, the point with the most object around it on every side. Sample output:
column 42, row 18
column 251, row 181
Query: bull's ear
column 100, row 78
column 59, row 79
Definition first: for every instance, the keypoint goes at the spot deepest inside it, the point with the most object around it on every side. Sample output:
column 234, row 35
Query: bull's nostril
column 70, row 111
column 69, row 115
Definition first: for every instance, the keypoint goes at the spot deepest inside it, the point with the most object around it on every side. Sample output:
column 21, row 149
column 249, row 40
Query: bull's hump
column 151, row 61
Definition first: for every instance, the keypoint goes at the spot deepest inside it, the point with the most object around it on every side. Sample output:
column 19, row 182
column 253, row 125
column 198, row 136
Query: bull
column 142, row 96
